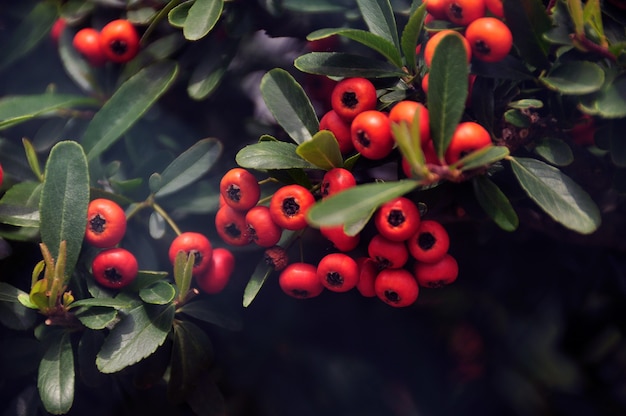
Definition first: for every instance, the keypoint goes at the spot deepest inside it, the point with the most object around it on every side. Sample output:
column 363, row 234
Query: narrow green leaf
column 410, row 36
column 19, row 108
column 34, row 27
column 64, row 200
column 31, row 156
column 340, row 64
column 189, row 166
column 554, row 151
column 183, row 267
column 13, row 313
column 177, row 16
column 380, row 20
column 408, row 139
column 447, row 91
column 105, row 302
column 483, row 157
column 201, row 18
column 289, row 104
column 209, row 72
column 158, row 293
column 271, row 155
column 574, row 78
column 258, row 278
column 136, row 336
column 558, row 195
column 526, row 103
column 357, row 202
column 205, row 312
column 127, row 105
column 322, row 151
column 19, row 206
column 56, row 374
column 317, row 6
column 495, row 204
column 76, row 66
column 191, row 355
column 371, row 40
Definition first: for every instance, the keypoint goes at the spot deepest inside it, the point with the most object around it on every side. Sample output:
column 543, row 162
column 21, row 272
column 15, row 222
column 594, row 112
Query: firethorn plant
column 357, row 183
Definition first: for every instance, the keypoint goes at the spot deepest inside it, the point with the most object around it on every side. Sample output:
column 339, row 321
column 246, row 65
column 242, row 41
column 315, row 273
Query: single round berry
column 338, row 272
column 87, row 42
column 336, row 180
column 468, row 137
column 407, row 111
column 289, row 206
column 430, row 243
column 196, row 243
column 371, row 134
column 262, row 230
column 299, row 280
column 352, row 96
column 491, row 40
column 438, row 274
column 387, row 253
column 240, row 189
column 106, row 223
column 340, row 128
column 397, row 219
column 114, row 268
column 433, row 42
column 218, row 274
column 368, row 270
column 231, row 226
column 119, row 41
column 396, row 287
column 463, row 12
column 341, row 241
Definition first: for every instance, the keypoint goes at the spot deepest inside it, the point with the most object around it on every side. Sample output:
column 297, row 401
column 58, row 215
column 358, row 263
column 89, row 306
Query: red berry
column 336, row 180
column 368, row 270
column 87, row 42
column 430, row 243
column 352, row 96
column 231, row 226
column 490, row 38
column 437, row 274
column 289, row 206
column 262, row 230
column 404, row 111
column 221, row 267
column 340, row 128
column 114, row 268
column 57, row 28
column 467, row 138
column 433, row 42
column 342, row 241
column 463, row 12
column 196, row 243
column 398, row 219
column 387, row 253
column 106, row 223
column 119, row 41
column 338, row 272
column 396, row 287
column 299, row 280
column 371, row 134
column 240, row 189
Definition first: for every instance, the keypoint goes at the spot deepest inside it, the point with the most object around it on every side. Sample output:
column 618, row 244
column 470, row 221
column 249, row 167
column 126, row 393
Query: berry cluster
column 117, row 41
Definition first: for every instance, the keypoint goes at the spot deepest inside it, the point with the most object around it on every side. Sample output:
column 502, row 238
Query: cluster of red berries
column 115, row 267
column 384, row 272
column 117, row 41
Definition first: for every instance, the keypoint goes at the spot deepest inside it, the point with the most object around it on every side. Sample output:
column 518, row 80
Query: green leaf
column 64, row 200
column 56, row 374
column 380, row 20
column 189, row 166
column 144, row 279
column 271, row 155
column 201, row 18
column 317, row 6
column 371, row 40
column 554, row 151
column 322, row 150
column 96, row 317
column 558, row 195
column 495, row 204
column 104, row 302
column 410, row 36
column 209, row 72
column 574, row 78
column 32, row 28
column 610, row 101
column 159, row 293
column 526, row 103
column 127, row 105
column 517, row 118
column 357, row 202
column 289, row 104
column 19, row 206
column 19, row 108
column 483, row 157
column 191, row 355
column 178, row 15
column 340, row 64
column 258, row 278
column 528, row 22
column 136, row 336
column 76, row 66
column 447, row 91
column 13, row 314
column 204, row 311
